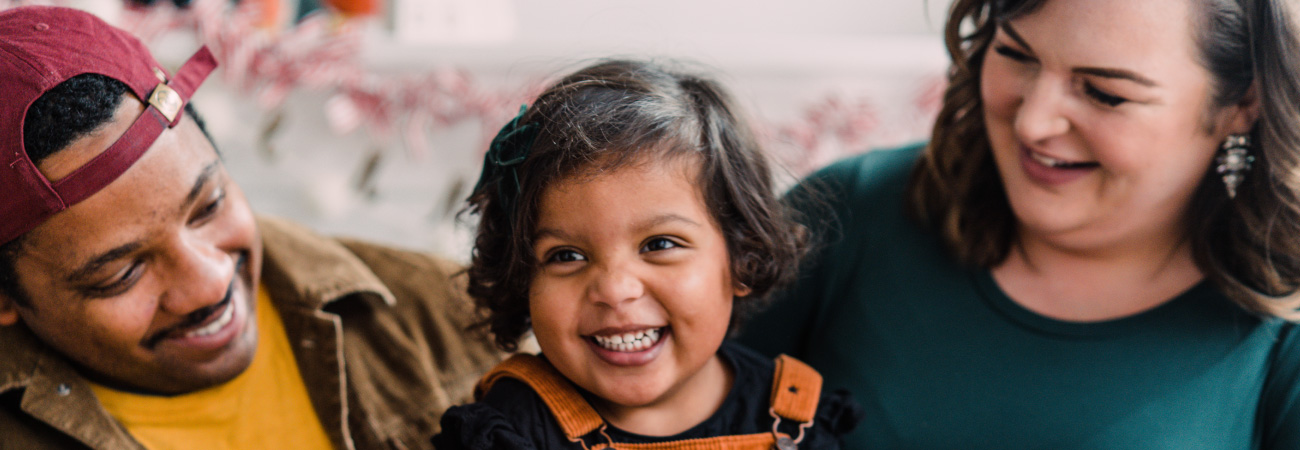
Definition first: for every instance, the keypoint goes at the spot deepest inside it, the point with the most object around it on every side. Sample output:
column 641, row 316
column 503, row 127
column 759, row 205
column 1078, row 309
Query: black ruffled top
column 512, row 416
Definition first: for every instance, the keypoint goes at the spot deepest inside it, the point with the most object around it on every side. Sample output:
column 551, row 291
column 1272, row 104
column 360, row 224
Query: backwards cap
column 41, row 47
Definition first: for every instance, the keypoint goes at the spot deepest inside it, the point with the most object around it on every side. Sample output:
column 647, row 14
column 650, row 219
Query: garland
column 320, row 54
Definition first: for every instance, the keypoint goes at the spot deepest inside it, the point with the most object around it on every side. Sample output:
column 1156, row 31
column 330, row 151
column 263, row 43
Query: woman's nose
column 1040, row 115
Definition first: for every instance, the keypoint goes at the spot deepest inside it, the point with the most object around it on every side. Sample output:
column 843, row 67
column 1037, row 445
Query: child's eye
column 658, row 244
column 1012, row 54
column 564, row 256
column 1102, row 96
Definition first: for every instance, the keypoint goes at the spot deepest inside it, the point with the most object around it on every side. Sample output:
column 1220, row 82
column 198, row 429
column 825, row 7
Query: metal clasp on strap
column 784, row 442
column 609, row 443
column 167, row 101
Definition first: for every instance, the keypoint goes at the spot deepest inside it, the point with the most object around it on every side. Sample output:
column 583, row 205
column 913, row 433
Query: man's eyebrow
column 201, row 181
column 90, row 267
column 1103, row 72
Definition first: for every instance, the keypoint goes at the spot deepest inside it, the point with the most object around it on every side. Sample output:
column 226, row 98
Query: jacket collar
column 316, row 270
column 300, row 267
column 53, row 392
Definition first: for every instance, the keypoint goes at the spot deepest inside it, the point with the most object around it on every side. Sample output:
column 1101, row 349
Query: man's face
column 148, row 285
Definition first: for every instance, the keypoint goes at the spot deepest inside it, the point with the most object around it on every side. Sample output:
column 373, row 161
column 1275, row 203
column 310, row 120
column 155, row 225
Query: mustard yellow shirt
column 266, row 407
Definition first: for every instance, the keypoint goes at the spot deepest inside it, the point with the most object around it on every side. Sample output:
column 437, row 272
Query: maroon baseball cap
column 41, row 47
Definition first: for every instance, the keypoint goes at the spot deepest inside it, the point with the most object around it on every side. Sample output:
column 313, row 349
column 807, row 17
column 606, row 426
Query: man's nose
column 201, row 275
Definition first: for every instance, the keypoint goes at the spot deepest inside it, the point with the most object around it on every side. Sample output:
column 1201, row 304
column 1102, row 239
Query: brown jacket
column 378, row 334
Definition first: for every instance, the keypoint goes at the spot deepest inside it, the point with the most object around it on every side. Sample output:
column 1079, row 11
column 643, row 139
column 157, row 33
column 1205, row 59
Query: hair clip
column 509, row 148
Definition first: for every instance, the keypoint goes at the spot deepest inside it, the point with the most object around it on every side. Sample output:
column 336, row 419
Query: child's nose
column 614, row 286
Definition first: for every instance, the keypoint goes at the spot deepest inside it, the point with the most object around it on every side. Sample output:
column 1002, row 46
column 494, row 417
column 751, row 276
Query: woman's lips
column 1046, row 170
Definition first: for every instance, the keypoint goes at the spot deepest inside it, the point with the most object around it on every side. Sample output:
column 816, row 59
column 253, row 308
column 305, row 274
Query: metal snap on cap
column 167, row 101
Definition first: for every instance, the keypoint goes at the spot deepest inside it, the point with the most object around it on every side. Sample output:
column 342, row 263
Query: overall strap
column 796, row 388
column 575, row 415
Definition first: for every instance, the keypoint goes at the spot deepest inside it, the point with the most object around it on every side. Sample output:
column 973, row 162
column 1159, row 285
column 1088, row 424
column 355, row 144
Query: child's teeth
column 629, row 342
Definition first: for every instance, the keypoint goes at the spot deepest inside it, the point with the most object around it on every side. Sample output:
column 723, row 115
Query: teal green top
column 941, row 358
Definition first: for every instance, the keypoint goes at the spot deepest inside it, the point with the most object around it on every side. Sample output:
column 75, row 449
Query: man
column 143, row 306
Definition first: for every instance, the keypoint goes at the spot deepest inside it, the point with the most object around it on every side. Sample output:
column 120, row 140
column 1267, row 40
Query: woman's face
column 1100, row 121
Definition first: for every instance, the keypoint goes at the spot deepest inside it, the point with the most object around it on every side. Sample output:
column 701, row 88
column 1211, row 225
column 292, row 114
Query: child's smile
column 633, row 294
column 628, row 348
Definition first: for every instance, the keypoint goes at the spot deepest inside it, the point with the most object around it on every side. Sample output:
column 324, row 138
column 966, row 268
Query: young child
column 628, row 219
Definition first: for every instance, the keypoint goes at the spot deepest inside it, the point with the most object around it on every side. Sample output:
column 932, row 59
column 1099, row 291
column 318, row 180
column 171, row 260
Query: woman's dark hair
column 1249, row 246
column 610, row 115
column 71, row 110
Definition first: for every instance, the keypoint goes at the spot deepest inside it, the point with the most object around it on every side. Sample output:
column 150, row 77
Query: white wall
column 778, row 57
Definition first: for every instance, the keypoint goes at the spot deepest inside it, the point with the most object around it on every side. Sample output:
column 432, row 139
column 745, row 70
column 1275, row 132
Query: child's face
column 634, row 255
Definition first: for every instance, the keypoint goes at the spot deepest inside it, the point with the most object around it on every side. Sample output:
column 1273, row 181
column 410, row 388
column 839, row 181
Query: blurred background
column 369, row 118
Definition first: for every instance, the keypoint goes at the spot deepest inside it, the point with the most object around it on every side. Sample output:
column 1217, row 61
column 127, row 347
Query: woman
column 1099, row 248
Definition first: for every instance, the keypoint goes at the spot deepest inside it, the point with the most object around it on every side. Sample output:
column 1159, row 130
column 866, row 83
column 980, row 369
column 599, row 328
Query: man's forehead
column 148, row 198
column 85, row 148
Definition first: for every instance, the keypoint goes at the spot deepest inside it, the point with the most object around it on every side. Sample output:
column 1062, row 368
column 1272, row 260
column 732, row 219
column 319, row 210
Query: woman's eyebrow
column 1121, row 74
column 1015, row 36
column 1104, row 72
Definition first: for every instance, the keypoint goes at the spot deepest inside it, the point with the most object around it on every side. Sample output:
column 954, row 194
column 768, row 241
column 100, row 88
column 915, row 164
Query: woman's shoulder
column 1281, row 397
column 870, row 169
column 872, row 181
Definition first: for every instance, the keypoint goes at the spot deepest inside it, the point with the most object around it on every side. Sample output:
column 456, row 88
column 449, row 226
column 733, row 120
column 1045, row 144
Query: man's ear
column 8, row 311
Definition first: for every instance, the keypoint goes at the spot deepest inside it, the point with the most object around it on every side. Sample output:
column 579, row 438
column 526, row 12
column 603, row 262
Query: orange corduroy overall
column 796, row 388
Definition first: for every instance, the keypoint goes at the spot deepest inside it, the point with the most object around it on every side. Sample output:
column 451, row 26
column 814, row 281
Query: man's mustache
column 202, row 314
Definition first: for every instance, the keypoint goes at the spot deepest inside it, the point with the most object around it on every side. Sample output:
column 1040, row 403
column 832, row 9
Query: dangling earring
column 1234, row 161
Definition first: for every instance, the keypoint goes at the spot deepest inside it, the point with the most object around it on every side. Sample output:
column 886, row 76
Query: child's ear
column 740, row 289
column 8, row 311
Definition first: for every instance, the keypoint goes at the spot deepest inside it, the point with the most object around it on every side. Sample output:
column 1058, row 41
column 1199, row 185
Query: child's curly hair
column 604, row 117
